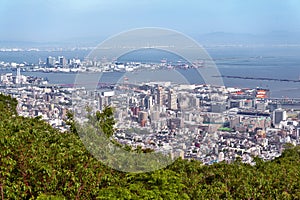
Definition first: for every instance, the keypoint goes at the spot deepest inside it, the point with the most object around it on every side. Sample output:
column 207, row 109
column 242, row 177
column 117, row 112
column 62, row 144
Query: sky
column 65, row 20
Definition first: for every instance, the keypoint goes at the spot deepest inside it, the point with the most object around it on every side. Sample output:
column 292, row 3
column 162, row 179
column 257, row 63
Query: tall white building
column 298, row 133
column 160, row 100
column 18, row 77
column 172, row 100
column 105, row 99
column 278, row 116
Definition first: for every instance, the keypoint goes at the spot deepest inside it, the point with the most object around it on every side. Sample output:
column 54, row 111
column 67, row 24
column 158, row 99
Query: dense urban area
column 149, row 100
column 204, row 122
column 226, row 143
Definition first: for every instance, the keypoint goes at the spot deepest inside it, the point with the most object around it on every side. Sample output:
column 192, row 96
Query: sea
column 277, row 62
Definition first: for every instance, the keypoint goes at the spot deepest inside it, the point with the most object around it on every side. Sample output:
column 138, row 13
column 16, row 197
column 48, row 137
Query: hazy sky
column 61, row 20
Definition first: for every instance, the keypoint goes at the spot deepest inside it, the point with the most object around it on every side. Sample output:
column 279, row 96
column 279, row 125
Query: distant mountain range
column 214, row 38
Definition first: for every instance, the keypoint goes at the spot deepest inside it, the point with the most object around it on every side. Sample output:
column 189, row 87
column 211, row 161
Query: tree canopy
column 39, row 162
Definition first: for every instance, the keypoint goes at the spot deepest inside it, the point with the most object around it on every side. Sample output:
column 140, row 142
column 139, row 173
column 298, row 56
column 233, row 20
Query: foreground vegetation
column 38, row 162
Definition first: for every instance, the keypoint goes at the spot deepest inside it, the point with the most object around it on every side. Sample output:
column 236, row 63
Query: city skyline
column 61, row 21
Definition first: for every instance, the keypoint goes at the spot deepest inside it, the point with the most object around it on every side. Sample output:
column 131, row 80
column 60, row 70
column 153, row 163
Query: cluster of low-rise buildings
column 203, row 122
column 61, row 64
column 37, row 98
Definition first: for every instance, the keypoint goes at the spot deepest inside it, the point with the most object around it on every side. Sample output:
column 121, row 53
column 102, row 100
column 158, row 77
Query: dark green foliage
column 8, row 105
column 70, row 121
column 38, row 162
column 103, row 121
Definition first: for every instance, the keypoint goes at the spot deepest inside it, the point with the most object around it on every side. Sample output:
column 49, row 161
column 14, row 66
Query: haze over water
column 261, row 62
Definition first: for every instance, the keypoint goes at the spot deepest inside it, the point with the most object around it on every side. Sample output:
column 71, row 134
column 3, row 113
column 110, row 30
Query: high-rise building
column 278, row 116
column 62, row 61
column 298, row 133
column 172, row 100
column 50, row 62
column 105, row 99
column 148, row 102
column 142, row 118
column 18, row 77
column 160, row 96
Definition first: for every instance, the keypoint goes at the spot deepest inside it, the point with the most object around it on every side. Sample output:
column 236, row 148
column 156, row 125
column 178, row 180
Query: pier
column 260, row 78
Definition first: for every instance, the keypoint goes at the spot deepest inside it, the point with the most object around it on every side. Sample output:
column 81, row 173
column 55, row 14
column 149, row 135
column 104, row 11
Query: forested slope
column 37, row 161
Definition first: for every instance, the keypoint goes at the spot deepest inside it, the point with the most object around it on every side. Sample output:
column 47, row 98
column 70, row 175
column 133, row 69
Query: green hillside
column 38, row 162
